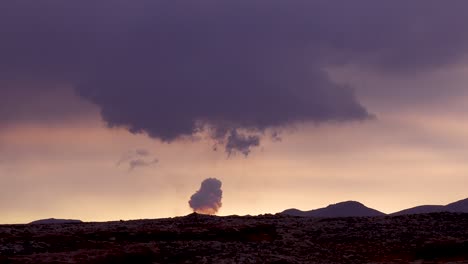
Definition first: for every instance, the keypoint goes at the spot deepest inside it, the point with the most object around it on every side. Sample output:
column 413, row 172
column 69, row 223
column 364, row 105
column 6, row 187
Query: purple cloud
column 233, row 68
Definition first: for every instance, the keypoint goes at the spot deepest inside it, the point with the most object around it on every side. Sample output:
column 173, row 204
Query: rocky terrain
column 422, row 238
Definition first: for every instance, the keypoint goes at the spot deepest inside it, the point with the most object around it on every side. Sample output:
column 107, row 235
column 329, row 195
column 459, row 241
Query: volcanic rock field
column 423, row 238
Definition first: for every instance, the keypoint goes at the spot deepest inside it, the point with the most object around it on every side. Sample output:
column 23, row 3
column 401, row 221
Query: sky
column 120, row 109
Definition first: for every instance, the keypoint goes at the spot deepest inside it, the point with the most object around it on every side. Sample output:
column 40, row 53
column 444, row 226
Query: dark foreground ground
column 429, row 238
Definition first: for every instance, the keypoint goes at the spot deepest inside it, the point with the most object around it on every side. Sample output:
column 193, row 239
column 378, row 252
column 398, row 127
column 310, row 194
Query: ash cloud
column 173, row 69
column 207, row 200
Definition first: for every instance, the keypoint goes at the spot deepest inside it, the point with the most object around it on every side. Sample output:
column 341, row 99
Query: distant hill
column 343, row 209
column 459, row 207
column 422, row 209
column 55, row 221
column 456, row 207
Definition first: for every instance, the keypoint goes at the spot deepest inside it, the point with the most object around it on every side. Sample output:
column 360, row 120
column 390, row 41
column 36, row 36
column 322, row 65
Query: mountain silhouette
column 353, row 208
column 343, row 209
column 55, row 221
column 422, row 209
column 456, row 207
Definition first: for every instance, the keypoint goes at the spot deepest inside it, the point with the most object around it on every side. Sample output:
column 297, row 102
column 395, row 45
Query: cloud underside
column 232, row 69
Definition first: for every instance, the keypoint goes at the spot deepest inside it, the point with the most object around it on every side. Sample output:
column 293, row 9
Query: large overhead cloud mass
column 172, row 69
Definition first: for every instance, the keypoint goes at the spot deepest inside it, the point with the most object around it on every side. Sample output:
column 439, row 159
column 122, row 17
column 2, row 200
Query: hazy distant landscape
column 343, row 209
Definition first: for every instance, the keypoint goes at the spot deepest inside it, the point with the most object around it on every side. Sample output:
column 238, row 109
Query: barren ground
column 427, row 238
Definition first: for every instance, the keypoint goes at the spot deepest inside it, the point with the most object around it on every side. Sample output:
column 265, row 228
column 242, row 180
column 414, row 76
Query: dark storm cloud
column 207, row 200
column 174, row 68
column 242, row 143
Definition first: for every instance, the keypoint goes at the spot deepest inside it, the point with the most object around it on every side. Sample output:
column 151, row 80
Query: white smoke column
column 207, row 200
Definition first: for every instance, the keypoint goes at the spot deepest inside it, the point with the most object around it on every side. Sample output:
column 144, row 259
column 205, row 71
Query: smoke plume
column 207, row 200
